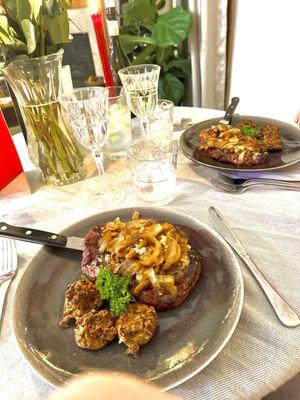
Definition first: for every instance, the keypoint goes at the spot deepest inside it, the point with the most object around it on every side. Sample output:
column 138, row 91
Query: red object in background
column 10, row 165
column 98, row 27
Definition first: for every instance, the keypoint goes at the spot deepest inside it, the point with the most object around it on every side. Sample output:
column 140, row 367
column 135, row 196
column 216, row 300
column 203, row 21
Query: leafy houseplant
column 149, row 37
column 32, row 33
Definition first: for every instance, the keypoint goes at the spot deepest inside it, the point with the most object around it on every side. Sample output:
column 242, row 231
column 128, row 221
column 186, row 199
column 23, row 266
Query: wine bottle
column 118, row 58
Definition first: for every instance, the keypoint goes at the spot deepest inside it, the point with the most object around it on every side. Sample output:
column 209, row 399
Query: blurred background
column 244, row 48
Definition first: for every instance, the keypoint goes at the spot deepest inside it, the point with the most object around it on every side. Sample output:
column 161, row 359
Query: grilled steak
column 165, row 300
column 81, row 297
column 161, row 299
column 95, row 329
column 136, row 326
column 227, row 144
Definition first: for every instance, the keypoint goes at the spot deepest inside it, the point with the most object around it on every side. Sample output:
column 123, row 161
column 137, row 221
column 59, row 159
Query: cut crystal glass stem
column 145, row 126
column 98, row 157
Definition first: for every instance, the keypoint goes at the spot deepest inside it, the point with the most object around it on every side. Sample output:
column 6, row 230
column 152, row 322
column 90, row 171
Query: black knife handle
column 231, row 108
column 32, row 235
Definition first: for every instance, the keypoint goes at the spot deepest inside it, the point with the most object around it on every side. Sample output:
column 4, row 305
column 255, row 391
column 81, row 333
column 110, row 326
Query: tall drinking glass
column 140, row 83
column 86, row 110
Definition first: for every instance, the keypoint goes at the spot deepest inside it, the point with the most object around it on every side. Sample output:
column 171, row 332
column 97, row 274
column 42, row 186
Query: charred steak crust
column 90, row 266
column 184, row 287
column 250, row 158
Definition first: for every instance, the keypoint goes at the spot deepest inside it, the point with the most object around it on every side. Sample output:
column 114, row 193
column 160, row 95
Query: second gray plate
column 290, row 135
column 189, row 337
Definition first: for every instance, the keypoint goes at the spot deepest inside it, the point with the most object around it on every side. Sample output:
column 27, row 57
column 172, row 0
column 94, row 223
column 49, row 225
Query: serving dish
column 174, row 354
column 290, row 136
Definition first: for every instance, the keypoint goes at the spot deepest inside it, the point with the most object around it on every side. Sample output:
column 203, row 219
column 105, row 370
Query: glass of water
column 86, row 110
column 118, row 124
column 153, row 164
column 161, row 121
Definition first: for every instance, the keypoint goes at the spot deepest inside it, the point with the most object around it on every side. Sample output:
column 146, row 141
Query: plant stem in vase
column 51, row 145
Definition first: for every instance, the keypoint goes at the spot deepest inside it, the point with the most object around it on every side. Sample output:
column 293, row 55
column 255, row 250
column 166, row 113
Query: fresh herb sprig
column 33, row 28
column 250, row 131
column 114, row 289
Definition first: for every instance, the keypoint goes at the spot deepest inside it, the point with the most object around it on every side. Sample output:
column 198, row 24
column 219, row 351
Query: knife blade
column 226, row 232
column 40, row 237
column 283, row 310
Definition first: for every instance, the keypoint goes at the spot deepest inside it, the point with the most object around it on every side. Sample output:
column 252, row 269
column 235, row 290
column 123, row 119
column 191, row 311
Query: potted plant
column 151, row 37
column 32, row 33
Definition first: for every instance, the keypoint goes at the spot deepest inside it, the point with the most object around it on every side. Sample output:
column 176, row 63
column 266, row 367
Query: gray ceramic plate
column 189, row 337
column 290, row 135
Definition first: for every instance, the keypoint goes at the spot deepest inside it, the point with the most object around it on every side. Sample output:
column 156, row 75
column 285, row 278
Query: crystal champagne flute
column 86, row 110
column 141, row 84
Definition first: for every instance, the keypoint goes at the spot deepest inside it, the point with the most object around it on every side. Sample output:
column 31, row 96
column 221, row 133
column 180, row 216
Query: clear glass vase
column 52, row 148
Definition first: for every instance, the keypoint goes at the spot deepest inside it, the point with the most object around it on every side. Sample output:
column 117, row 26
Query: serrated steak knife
column 40, row 237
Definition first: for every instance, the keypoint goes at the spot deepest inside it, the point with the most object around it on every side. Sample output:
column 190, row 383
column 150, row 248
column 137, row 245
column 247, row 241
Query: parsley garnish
column 250, row 131
column 114, row 288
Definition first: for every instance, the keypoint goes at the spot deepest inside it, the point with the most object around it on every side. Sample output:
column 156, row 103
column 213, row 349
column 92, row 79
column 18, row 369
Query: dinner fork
column 236, row 186
column 8, row 267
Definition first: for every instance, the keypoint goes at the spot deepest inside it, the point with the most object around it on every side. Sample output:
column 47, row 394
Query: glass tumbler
column 161, row 121
column 118, row 124
column 153, row 165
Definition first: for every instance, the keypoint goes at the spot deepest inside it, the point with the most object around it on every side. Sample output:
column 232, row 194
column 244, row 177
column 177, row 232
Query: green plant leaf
column 13, row 51
column 52, row 7
column 24, row 10
column 36, row 8
column 30, row 35
column 161, row 93
column 143, row 57
column 161, row 4
column 52, row 49
column 163, row 54
column 172, row 88
column 4, row 30
column 136, row 39
column 10, row 8
column 58, row 29
column 129, row 42
column 172, row 27
column 139, row 13
column 183, row 64
column 28, row 9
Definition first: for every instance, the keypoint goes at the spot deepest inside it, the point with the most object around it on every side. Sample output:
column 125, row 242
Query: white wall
column 266, row 58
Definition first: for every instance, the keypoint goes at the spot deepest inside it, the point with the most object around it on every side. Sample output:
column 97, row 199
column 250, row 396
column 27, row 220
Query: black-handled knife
column 230, row 110
column 40, row 237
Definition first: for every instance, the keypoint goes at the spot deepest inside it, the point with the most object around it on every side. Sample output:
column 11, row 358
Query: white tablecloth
column 262, row 354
